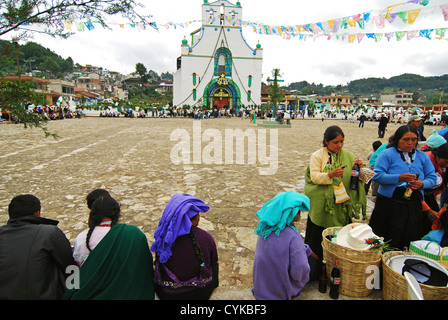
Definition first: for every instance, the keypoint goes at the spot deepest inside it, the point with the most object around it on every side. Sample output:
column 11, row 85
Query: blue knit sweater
column 390, row 165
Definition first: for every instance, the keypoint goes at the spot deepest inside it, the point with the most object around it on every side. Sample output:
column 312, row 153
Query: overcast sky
column 330, row 62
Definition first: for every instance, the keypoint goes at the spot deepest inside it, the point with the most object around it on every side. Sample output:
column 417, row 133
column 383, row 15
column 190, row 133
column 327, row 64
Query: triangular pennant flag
column 370, row 35
column 400, row 34
column 366, row 16
column 412, row 15
column 378, row 37
column 351, row 37
column 411, row 34
column 379, row 21
column 392, row 17
column 356, row 17
column 80, row 26
column 441, row 32
column 424, row 2
column 351, row 23
column 389, row 10
column 360, row 36
column 444, row 8
column 426, row 33
column 319, row 24
column 389, row 35
column 361, row 24
column 337, row 23
column 331, row 24
column 89, row 25
column 403, row 15
column 68, row 24
column 343, row 23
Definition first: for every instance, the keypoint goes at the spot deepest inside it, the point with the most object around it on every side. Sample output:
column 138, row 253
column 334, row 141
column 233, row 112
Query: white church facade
column 217, row 68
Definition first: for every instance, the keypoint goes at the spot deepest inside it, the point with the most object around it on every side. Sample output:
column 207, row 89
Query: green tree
column 142, row 72
column 50, row 67
column 274, row 90
column 21, row 16
column 14, row 97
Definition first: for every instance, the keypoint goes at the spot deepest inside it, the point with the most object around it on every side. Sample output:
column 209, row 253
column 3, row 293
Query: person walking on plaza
column 416, row 122
column 382, row 126
column 34, row 253
column 362, row 118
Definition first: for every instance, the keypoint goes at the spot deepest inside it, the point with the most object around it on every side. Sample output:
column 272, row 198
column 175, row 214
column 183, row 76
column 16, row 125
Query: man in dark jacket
column 382, row 125
column 34, row 253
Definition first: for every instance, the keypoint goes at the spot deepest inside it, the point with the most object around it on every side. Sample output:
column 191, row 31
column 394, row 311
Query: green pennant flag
column 400, row 34
column 378, row 37
column 361, row 23
column 403, row 15
column 441, row 32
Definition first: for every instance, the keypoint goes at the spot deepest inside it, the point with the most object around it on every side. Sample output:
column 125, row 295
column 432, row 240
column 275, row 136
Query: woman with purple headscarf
column 186, row 264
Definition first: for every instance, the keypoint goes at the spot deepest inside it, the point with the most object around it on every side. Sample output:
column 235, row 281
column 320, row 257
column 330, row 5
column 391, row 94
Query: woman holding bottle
column 402, row 171
column 327, row 184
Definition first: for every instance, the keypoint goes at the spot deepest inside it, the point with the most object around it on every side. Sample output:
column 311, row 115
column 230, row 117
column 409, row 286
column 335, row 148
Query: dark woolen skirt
column 398, row 220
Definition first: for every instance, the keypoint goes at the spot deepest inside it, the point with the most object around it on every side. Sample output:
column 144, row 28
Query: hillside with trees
column 33, row 56
column 431, row 89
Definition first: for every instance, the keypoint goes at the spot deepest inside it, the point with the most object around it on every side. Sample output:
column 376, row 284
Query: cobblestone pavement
column 135, row 160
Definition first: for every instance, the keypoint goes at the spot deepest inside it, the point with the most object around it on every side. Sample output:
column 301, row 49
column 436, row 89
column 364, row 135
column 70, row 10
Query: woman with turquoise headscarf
column 281, row 268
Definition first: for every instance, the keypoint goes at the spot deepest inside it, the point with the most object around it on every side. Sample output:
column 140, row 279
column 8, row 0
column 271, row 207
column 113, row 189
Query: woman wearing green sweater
column 327, row 184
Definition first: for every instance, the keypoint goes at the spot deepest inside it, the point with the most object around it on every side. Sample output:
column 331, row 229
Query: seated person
column 186, row 262
column 281, row 268
column 115, row 259
column 34, row 253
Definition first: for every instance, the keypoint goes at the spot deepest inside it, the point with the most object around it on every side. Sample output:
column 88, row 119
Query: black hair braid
column 197, row 250
column 101, row 208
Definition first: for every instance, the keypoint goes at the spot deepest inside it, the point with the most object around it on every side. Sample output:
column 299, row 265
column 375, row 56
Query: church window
column 249, row 95
column 211, row 18
column 221, row 14
column 223, row 62
column 250, row 81
column 194, row 94
column 194, row 79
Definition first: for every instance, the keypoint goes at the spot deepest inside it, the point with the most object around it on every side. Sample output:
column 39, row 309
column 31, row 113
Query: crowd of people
column 182, row 262
column 54, row 112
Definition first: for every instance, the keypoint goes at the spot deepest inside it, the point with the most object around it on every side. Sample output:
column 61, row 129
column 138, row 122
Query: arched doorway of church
column 221, row 98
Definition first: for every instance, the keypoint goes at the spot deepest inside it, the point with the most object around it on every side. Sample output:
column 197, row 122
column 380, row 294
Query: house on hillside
column 399, row 99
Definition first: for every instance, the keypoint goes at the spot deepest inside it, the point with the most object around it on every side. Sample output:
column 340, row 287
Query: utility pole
column 31, row 69
column 16, row 42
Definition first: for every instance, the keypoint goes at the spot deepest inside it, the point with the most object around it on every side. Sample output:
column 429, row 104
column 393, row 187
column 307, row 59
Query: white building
column 400, row 99
column 218, row 69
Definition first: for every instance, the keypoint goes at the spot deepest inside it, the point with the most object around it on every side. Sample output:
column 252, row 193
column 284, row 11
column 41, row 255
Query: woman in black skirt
column 397, row 217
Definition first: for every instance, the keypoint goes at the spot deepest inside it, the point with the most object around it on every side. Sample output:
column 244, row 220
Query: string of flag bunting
column 350, row 28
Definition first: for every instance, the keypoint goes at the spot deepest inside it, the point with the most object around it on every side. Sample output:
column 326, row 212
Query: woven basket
column 441, row 258
column 395, row 286
column 352, row 263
